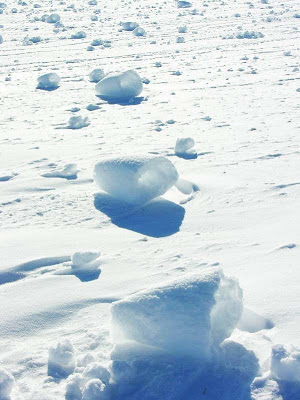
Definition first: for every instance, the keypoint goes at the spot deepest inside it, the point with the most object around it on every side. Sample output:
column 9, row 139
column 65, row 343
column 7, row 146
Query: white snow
column 78, row 122
column 122, row 86
column 96, row 75
column 69, row 171
column 285, row 363
column 61, row 359
column 48, row 81
column 95, row 390
column 129, row 26
column 184, row 148
column 86, row 260
column 135, row 180
column 188, row 316
column 7, row 382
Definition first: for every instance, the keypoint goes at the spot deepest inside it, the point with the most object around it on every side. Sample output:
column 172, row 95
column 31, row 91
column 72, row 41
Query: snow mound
column 184, row 148
column 285, row 363
column 186, row 317
column 48, row 81
column 53, row 18
column 124, row 86
column 78, row 35
column 96, row 75
column 86, row 260
column 61, row 359
column 129, row 26
column 78, row 122
column 6, row 384
column 69, row 172
column 135, row 180
column 249, row 35
column 95, row 370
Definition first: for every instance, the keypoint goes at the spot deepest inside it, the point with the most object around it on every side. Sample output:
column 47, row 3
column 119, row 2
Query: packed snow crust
column 135, row 180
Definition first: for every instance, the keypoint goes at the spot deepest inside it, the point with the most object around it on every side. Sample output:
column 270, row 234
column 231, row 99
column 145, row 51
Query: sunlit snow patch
column 61, row 360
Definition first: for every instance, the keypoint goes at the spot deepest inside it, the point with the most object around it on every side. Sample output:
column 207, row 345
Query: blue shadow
column 158, row 218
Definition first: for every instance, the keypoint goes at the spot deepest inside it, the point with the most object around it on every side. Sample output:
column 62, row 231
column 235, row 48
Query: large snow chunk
column 48, row 81
column 61, row 360
column 188, row 316
column 78, row 122
column 53, row 18
column 95, row 370
column 124, row 86
column 285, row 363
column 6, row 384
column 135, row 180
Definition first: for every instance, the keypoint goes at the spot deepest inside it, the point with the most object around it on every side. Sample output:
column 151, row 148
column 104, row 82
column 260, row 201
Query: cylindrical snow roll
column 123, row 86
column 135, row 180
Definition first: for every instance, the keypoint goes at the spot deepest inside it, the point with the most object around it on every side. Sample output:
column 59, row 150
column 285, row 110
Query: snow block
column 124, row 86
column 7, row 382
column 135, row 180
column 48, row 81
column 285, row 363
column 184, row 148
column 95, row 390
column 186, row 317
column 61, row 360
column 78, row 122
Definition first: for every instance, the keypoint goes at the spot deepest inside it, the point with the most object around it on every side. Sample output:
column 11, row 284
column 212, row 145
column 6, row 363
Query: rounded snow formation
column 135, row 180
column 190, row 316
column 139, row 31
column 96, row 75
column 61, row 360
column 86, row 260
column 285, row 363
column 53, row 18
column 48, row 81
column 95, row 390
column 129, row 26
column 78, row 122
column 122, row 87
column 184, row 148
column 7, row 382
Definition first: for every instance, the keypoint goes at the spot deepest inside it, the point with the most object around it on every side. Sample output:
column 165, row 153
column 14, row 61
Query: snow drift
column 186, row 317
column 135, row 180
column 124, row 86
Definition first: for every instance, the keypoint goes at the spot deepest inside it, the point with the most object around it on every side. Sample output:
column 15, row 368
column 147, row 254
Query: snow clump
column 190, row 316
column 285, row 363
column 86, row 260
column 135, row 180
column 124, row 86
column 7, row 382
column 61, row 360
column 129, row 26
column 53, row 18
column 69, row 172
column 138, row 31
column 48, row 81
column 184, row 148
column 96, row 75
column 78, row 122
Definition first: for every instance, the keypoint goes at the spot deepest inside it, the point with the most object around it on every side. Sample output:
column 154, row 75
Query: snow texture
column 61, row 359
column 135, row 180
column 86, row 260
column 69, row 172
column 6, row 384
column 188, row 316
column 285, row 363
column 78, row 122
column 48, row 81
column 124, row 86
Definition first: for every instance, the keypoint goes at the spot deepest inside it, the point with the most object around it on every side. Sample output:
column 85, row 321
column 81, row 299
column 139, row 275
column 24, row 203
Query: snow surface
column 232, row 86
